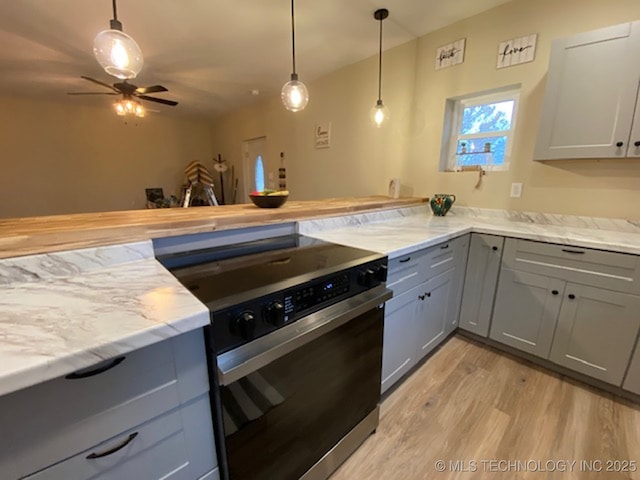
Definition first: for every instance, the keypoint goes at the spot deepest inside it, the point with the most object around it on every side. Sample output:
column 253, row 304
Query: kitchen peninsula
column 66, row 311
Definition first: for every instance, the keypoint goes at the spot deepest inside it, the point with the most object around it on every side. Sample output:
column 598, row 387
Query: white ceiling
column 210, row 54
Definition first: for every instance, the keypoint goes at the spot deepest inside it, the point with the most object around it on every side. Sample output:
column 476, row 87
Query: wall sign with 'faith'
column 450, row 55
column 516, row 51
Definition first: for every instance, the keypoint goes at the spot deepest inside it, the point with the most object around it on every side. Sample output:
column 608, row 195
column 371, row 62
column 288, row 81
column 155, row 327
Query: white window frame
column 453, row 123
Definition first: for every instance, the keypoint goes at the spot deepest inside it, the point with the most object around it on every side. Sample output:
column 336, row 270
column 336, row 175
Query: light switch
column 516, row 190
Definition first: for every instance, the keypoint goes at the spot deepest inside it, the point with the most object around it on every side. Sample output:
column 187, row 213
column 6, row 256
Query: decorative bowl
column 269, row 201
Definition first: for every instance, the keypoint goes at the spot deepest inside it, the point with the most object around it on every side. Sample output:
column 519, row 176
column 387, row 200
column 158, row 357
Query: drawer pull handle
column 97, row 371
column 404, row 260
column 444, row 247
column 577, row 252
column 113, row 450
column 619, row 144
column 637, row 143
column 572, row 296
column 555, row 292
column 494, row 248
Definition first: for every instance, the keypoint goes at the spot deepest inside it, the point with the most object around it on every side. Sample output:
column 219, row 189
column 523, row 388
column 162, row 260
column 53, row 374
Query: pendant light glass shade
column 118, row 54
column 295, row 95
column 380, row 113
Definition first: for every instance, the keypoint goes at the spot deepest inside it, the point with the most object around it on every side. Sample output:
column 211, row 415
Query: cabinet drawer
column 59, row 418
column 439, row 259
column 154, row 450
column 610, row 270
column 404, row 272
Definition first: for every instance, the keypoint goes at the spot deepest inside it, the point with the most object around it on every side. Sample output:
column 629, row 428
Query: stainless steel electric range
column 295, row 351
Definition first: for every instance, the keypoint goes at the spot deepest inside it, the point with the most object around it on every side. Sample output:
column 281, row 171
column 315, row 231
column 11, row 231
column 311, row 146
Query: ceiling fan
column 129, row 104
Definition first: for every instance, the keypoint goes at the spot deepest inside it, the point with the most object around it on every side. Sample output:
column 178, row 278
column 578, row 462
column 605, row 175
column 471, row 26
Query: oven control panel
column 234, row 326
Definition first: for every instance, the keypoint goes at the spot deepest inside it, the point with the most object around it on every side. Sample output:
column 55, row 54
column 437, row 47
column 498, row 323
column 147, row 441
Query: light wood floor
column 469, row 402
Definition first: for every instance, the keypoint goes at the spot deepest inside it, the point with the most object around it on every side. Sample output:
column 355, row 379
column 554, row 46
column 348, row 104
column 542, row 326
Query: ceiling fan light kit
column 117, row 52
column 128, row 107
column 380, row 113
column 294, row 94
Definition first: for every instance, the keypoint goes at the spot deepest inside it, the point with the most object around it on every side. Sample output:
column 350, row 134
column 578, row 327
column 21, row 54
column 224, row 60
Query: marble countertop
column 67, row 311
column 417, row 228
column 62, row 312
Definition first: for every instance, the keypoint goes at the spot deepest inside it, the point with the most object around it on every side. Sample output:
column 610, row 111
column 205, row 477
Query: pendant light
column 379, row 113
column 117, row 52
column 295, row 95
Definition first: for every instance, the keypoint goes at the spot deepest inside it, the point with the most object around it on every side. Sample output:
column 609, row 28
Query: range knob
column 244, row 325
column 274, row 313
column 381, row 273
column 366, row 277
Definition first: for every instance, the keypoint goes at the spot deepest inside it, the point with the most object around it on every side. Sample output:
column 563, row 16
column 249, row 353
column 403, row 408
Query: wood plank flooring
column 470, row 403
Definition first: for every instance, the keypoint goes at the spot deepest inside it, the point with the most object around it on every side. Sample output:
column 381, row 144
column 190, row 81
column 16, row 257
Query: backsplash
column 329, row 223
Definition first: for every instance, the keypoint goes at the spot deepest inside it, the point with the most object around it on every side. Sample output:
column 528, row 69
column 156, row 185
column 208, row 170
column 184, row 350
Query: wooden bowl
column 268, row 201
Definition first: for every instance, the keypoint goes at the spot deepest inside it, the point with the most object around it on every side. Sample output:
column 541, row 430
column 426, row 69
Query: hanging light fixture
column 380, row 113
column 295, row 95
column 117, row 52
column 128, row 107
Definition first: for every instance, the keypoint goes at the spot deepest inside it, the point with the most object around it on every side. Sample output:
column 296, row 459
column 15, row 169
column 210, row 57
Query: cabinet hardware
column 619, row 144
column 572, row 296
column 555, row 292
column 428, row 294
column 405, row 260
column 97, row 371
column 577, row 252
column 421, row 297
column 113, row 450
column 444, row 247
column 637, row 144
column 494, row 248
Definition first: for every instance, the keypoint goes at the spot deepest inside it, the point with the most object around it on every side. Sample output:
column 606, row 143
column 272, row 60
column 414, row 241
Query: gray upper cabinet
column 632, row 380
column 591, row 96
column 483, row 267
column 526, row 311
column 596, row 332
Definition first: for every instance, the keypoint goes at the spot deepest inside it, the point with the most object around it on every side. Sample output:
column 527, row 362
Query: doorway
column 254, row 165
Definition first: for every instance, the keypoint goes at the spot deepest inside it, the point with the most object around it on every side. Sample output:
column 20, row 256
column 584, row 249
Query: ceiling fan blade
column 110, row 87
column 92, row 93
column 158, row 100
column 151, row 89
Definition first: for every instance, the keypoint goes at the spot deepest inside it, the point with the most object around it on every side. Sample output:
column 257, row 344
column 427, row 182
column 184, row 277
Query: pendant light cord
column 115, row 11
column 379, row 64
column 293, row 38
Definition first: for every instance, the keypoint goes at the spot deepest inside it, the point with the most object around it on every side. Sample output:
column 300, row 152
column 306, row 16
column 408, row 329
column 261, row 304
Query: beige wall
column 362, row 158
column 61, row 157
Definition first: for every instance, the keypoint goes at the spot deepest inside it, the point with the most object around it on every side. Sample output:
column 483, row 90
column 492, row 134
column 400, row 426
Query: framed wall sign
column 450, row 54
column 516, row 51
column 323, row 135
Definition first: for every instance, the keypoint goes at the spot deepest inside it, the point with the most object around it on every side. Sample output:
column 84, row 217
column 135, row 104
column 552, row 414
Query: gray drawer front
column 404, row 272
column 610, row 270
column 439, row 259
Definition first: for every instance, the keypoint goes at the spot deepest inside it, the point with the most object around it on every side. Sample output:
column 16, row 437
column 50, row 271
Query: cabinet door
column 398, row 347
column 433, row 312
column 480, row 283
column 633, row 149
column 596, row 332
column 526, row 310
column 590, row 95
column 632, row 381
column 455, row 298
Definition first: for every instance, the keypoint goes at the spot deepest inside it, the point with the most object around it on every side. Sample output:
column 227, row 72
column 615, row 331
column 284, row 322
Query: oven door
column 288, row 398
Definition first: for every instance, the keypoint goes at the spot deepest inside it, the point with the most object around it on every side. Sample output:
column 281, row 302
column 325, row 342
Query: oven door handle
column 246, row 359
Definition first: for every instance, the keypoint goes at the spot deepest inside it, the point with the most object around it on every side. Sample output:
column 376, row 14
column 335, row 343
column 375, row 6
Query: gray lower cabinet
column 398, row 354
column 526, row 311
column 596, row 332
column 632, row 380
column 434, row 312
column 480, row 282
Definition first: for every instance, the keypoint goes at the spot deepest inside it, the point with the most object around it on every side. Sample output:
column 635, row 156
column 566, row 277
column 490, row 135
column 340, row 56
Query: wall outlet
column 516, row 190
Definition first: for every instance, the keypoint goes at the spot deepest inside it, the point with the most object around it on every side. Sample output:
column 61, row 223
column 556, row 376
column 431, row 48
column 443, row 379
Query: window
column 259, row 175
column 479, row 131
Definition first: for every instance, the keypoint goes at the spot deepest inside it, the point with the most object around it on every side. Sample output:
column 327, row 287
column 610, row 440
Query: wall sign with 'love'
column 516, row 51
